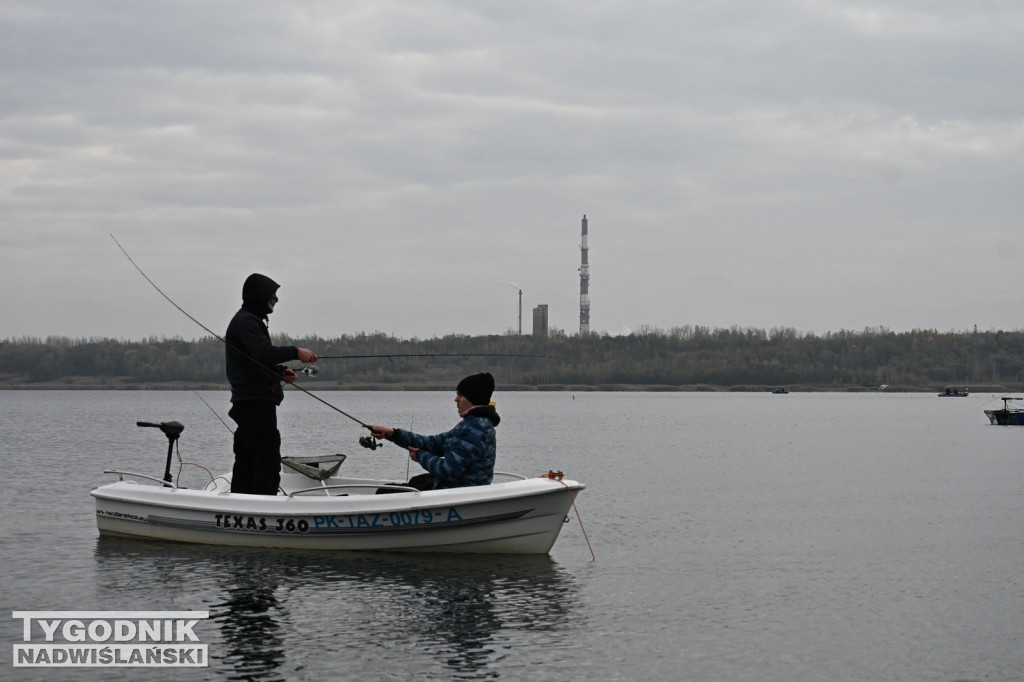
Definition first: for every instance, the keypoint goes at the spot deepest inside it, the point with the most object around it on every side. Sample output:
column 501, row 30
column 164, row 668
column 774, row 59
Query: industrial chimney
column 584, row 283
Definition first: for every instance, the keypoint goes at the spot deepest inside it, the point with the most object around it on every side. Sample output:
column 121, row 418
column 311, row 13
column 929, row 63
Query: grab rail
column 325, row 488
column 518, row 477
column 122, row 474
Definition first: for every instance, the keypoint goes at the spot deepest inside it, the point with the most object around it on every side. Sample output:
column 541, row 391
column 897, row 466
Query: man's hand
column 381, row 432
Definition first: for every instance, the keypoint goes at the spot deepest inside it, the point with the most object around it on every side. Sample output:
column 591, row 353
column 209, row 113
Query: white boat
column 318, row 509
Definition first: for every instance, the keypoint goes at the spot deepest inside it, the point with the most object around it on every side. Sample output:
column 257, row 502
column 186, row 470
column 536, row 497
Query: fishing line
column 994, row 398
column 408, row 460
column 222, row 340
column 214, row 412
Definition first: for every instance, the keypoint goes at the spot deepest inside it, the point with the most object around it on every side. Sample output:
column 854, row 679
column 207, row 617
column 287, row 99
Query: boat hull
column 1005, row 417
column 517, row 517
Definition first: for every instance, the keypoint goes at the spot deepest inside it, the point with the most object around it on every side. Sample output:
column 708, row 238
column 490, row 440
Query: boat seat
column 310, row 466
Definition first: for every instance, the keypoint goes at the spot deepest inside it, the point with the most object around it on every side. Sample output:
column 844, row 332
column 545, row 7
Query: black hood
column 257, row 292
column 486, row 411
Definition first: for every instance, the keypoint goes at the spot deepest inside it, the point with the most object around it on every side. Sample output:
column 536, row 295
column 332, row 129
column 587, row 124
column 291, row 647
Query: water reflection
column 464, row 615
column 237, row 586
column 281, row 613
column 252, row 621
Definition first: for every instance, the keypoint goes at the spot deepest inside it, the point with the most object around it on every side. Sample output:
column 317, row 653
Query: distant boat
column 954, row 392
column 1008, row 416
column 780, row 390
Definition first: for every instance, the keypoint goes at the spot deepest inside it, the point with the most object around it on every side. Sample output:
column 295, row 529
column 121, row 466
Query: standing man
column 255, row 372
column 463, row 456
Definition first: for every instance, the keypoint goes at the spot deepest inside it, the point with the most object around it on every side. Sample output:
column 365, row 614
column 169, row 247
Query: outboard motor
column 172, row 430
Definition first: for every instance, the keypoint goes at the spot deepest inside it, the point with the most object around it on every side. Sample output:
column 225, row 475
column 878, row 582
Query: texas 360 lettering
column 415, row 517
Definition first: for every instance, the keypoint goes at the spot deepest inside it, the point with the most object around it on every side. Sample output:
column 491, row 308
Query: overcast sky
column 408, row 167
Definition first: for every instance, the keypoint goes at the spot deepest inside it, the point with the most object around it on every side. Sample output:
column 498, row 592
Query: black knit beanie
column 477, row 388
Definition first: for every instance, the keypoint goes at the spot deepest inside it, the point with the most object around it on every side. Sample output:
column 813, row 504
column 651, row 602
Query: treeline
column 681, row 357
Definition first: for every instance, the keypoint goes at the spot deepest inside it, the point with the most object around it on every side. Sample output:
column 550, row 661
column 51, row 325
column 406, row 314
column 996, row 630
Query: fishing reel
column 310, row 370
column 369, row 442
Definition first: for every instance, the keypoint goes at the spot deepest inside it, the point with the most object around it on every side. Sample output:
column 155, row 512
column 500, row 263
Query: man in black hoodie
column 255, row 373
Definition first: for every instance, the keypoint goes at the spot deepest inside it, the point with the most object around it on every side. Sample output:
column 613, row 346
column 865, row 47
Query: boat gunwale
column 190, row 499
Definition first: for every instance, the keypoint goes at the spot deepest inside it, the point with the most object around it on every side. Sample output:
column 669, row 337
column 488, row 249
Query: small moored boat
column 1007, row 416
column 955, row 392
column 318, row 509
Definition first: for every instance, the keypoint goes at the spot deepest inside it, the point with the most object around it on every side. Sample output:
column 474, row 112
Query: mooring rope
column 557, row 476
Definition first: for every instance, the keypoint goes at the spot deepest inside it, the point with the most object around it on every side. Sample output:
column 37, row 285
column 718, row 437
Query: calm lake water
column 738, row 537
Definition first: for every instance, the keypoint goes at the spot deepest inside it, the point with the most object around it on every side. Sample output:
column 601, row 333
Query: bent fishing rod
column 239, row 351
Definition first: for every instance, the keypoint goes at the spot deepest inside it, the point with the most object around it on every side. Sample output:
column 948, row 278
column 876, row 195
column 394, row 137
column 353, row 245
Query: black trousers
column 257, row 469
column 422, row 482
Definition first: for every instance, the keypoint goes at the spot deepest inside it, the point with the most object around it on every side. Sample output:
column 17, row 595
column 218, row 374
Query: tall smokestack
column 584, row 283
column 520, row 312
column 513, row 284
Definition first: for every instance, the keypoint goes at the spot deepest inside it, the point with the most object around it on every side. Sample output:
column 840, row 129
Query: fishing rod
column 312, row 370
column 222, row 340
column 435, row 355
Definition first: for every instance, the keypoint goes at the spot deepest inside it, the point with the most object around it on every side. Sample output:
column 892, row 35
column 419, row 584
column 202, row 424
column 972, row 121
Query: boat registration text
column 404, row 519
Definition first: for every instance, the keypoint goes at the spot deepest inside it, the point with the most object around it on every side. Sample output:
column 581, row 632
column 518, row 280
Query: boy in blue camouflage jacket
column 463, row 456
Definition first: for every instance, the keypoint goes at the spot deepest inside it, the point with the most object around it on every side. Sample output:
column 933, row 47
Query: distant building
column 540, row 320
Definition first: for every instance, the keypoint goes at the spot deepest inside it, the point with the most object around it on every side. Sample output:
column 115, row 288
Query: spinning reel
column 369, row 442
